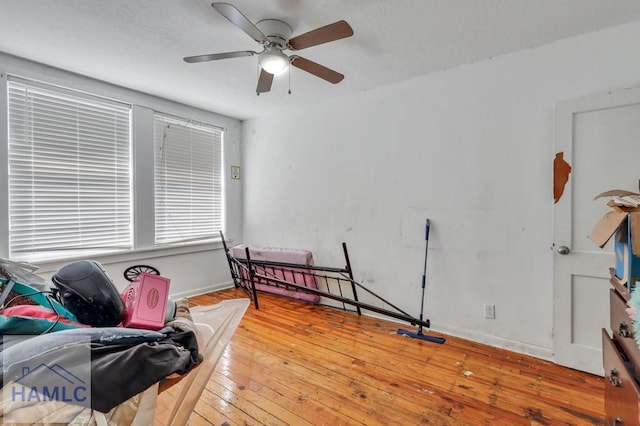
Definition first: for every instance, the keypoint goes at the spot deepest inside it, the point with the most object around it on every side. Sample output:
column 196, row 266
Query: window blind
column 188, row 181
column 69, row 172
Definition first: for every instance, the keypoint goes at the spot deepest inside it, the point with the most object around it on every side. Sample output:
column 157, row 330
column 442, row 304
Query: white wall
column 469, row 148
column 192, row 269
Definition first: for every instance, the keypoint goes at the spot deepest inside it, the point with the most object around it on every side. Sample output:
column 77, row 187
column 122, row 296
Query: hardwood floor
column 299, row 364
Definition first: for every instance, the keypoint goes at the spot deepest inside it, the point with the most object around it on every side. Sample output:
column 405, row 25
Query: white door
column 600, row 138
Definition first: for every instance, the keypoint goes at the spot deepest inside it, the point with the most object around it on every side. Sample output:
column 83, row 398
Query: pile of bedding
column 65, row 372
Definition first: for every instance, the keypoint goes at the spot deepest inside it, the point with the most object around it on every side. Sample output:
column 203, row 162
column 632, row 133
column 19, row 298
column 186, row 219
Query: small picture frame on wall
column 235, row 172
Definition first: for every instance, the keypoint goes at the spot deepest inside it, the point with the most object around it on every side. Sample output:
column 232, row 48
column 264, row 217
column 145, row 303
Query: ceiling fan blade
column 331, row 32
column 230, row 12
column 316, row 69
column 216, row 56
column 264, row 82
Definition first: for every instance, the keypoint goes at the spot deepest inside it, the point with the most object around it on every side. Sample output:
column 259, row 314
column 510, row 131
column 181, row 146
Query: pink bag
column 145, row 300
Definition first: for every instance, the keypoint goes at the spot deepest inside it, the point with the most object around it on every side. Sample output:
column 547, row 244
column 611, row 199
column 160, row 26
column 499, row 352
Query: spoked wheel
column 132, row 272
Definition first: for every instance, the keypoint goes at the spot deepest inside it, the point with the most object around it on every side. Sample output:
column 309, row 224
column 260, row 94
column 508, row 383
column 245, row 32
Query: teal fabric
column 18, row 324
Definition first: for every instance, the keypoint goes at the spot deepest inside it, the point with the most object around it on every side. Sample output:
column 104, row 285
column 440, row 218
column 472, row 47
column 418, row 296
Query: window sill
column 130, row 256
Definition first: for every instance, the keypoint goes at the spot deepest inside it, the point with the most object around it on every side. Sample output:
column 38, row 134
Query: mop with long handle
column 419, row 334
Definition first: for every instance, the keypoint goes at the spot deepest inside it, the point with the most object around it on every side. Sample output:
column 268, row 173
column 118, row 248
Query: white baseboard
column 495, row 341
column 479, row 337
column 202, row 290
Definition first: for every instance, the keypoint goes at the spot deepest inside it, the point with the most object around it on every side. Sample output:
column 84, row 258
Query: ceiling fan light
column 274, row 62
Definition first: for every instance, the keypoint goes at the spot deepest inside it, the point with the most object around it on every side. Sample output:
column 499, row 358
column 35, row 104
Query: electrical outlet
column 490, row 311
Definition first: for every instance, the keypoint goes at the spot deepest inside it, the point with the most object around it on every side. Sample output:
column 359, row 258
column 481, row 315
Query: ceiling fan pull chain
column 289, row 80
column 258, row 70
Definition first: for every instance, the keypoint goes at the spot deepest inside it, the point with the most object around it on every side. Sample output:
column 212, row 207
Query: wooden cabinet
column 621, row 361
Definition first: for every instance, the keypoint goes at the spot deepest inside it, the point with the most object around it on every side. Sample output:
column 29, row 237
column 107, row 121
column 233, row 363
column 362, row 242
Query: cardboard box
column 622, row 223
column 145, row 300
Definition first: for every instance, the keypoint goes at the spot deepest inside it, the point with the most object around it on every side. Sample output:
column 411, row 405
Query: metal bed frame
column 333, row 283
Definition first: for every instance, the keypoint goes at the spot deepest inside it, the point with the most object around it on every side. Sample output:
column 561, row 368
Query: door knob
column 563, row 250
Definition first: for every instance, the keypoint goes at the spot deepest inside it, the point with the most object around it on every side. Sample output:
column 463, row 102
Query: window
column 89, row 176
column 188, row 181
column 69, row 172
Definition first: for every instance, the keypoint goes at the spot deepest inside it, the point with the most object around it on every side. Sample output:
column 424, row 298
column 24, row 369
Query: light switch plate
column 235, row 172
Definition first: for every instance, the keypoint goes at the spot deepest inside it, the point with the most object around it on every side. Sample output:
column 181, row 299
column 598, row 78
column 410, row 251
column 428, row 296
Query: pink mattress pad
column 299, row 276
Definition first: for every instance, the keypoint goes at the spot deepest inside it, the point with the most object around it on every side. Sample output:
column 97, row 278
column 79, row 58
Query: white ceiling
column 140, row 44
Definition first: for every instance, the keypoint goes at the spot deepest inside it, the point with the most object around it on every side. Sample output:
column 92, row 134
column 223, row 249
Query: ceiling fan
column 274, row 36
